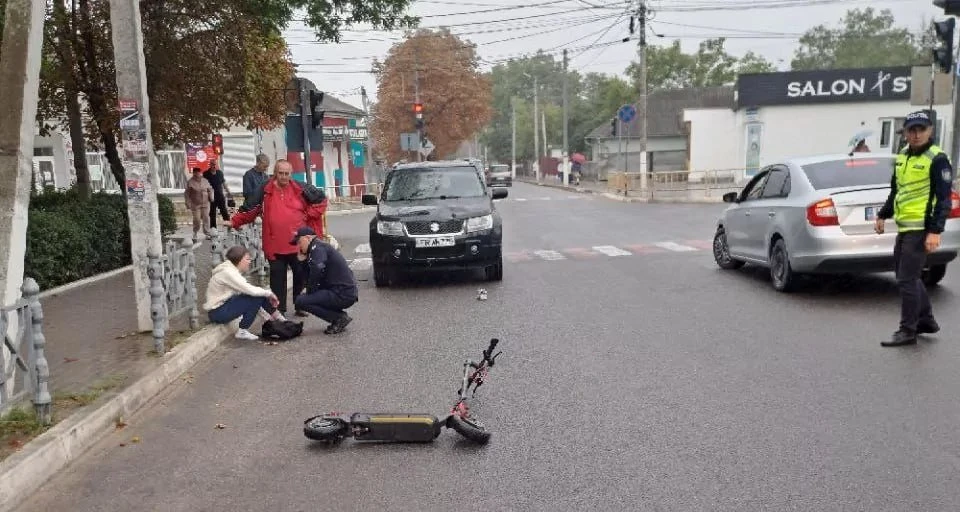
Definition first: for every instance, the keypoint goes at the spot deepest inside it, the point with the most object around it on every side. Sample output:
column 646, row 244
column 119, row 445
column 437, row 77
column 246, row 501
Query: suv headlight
column 479, row 223
column 389, row 228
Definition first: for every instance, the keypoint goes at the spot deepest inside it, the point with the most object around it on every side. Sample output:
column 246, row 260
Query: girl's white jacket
column 227, row 281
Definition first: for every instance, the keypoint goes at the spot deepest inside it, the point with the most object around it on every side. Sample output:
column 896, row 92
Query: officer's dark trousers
column 910, row 257
column 278, row 277
column 325, row 304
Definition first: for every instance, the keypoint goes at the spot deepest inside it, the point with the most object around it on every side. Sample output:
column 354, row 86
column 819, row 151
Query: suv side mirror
column 369, row 200
column 499, row 193
column 730, row 197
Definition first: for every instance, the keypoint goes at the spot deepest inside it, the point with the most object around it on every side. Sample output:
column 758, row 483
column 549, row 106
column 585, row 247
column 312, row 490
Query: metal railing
column 25, row 352
column 173, row 286
column 691, row 185
column 249, row 236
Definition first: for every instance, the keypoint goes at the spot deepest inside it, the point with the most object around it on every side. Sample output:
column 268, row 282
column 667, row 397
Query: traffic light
column 613, row 127
column 943, row 55
column 316, row 109
column 218, row 143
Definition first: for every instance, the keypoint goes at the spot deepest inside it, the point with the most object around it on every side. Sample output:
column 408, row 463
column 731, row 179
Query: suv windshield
column 850, row 173
column 433, row 183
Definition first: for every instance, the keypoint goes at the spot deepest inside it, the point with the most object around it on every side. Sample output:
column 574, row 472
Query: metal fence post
column 41, row 398
column 157, row 300
column 191, row 283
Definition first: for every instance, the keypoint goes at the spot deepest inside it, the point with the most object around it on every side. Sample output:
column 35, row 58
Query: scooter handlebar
column 488, row 353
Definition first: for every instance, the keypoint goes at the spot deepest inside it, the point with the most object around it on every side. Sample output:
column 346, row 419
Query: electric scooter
column 409, row 428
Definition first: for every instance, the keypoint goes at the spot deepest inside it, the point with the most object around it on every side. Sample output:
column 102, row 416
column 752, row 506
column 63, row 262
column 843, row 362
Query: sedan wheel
column 781, row 275
column 721, row 252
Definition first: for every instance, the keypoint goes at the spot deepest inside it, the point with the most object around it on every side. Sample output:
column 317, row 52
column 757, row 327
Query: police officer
column 919, row 202
column 331, row 287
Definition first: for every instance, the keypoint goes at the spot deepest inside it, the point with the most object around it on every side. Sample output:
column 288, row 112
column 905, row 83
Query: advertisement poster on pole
column 198, row 155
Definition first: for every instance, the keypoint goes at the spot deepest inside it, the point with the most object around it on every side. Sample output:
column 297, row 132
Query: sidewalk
column 695, row 195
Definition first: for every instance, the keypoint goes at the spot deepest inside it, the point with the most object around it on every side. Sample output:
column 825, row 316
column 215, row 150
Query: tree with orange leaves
column 457, row 98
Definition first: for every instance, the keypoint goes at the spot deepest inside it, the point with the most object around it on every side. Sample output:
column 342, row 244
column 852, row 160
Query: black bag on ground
column 281, row 330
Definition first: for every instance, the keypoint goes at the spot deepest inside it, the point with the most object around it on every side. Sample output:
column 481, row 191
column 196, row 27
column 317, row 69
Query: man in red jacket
column 286, row 206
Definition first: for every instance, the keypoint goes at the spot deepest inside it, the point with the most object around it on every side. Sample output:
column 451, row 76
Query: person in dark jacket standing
column 331, row 286
column 919, row 203
column 253, row 180
column 220, row 191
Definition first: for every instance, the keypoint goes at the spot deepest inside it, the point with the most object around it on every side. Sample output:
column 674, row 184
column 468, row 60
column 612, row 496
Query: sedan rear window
column 850, row 173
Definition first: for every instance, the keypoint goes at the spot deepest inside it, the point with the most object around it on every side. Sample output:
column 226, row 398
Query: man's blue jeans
column 244, row 306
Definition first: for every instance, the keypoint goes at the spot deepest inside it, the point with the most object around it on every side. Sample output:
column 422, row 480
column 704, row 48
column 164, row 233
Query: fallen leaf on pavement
column 69, row 359
column 135, row 440
column 220, row 426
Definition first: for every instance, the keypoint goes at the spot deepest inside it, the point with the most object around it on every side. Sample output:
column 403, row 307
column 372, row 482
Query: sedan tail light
column 823, row 213
column 954, row 205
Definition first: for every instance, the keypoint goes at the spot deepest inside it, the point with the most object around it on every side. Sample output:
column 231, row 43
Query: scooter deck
column 397, row 427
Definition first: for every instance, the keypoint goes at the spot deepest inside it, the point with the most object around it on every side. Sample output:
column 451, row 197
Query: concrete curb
column 85, row 281
column 362, row 209
column 24, row 472
column 629, row 199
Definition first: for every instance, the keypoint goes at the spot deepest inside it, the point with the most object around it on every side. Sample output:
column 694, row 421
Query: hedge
column 70, row 238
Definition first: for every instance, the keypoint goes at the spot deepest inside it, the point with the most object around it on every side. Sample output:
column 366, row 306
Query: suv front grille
column 420, row 227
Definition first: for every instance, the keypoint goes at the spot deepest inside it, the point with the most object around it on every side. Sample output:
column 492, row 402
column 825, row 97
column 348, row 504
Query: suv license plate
column 437, row 241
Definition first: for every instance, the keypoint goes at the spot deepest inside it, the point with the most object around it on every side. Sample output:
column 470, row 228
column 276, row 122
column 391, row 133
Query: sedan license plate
column 437, row 241
column 870, row 212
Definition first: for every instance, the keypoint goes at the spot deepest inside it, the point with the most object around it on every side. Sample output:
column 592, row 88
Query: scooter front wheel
column 470, row 428
column 319, row 428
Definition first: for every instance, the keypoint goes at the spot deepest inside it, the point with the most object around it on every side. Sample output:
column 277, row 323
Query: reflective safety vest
column 913, row 188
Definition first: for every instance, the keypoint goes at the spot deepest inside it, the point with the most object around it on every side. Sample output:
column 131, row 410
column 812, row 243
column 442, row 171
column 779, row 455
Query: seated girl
column 230, row 295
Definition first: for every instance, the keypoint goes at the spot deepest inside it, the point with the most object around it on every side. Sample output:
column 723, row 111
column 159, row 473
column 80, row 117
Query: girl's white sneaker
column 244, row 334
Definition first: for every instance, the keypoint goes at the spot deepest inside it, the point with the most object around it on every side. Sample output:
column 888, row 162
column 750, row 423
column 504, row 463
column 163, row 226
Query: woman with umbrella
column 577, row 160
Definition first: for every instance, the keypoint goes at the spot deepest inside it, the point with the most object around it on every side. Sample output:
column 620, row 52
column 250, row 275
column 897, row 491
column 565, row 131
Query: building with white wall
column 781, row 115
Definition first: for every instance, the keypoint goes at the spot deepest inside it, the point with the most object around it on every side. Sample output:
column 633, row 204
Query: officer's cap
column 918, row 118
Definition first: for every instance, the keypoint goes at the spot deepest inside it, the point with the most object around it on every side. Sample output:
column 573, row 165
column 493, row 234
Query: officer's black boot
column 928, row 327
column 900, row 338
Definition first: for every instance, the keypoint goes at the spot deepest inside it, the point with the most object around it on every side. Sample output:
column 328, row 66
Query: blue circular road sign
column 627, row 113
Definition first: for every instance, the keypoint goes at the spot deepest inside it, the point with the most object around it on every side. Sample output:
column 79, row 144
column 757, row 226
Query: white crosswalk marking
column 549, row 255
column 361, row 264
column 363, row 249
column 610, row 250
column 673, row 246
column 520, row 199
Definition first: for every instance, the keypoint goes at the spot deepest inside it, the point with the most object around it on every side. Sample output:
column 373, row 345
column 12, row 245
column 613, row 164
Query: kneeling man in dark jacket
column 331, row 287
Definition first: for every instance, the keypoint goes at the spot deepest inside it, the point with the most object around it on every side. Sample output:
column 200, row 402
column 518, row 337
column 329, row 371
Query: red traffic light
column 218, row 143
column 418, row 108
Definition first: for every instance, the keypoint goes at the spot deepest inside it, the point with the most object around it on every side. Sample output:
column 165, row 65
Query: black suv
column 435, row 216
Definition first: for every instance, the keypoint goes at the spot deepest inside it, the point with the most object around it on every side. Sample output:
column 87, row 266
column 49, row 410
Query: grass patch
column 20, row 425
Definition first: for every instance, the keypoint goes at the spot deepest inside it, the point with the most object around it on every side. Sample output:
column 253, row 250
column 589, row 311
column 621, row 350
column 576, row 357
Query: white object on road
column 361, row 264
column 672, row 246
column 481, row 294
column 363, row 248
column 610, row 250
column 549, row 255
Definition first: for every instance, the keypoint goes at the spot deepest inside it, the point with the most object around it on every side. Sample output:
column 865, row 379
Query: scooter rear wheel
column 471, row 429
column 319, row 428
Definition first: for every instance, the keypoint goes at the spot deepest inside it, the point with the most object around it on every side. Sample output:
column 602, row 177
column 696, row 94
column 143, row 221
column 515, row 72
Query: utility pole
column 20, row 83
column 139, row 160
column 536, row 134
column 513, row 144
column 368, row 147
column 416, row 93
column 566, row 152
column 305, row 124
column 642, row 14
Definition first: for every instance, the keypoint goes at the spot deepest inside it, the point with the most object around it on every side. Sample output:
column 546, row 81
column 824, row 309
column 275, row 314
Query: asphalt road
column 649, row 381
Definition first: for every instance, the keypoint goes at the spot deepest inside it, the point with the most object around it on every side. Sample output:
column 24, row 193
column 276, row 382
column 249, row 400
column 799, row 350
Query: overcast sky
column 513, row 28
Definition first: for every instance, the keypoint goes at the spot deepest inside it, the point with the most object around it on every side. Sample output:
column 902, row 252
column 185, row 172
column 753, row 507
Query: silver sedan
column 816, row 215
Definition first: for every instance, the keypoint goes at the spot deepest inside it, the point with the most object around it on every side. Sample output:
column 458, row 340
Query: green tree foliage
column 863, row 38
column 592, row 98
column 669, row 67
